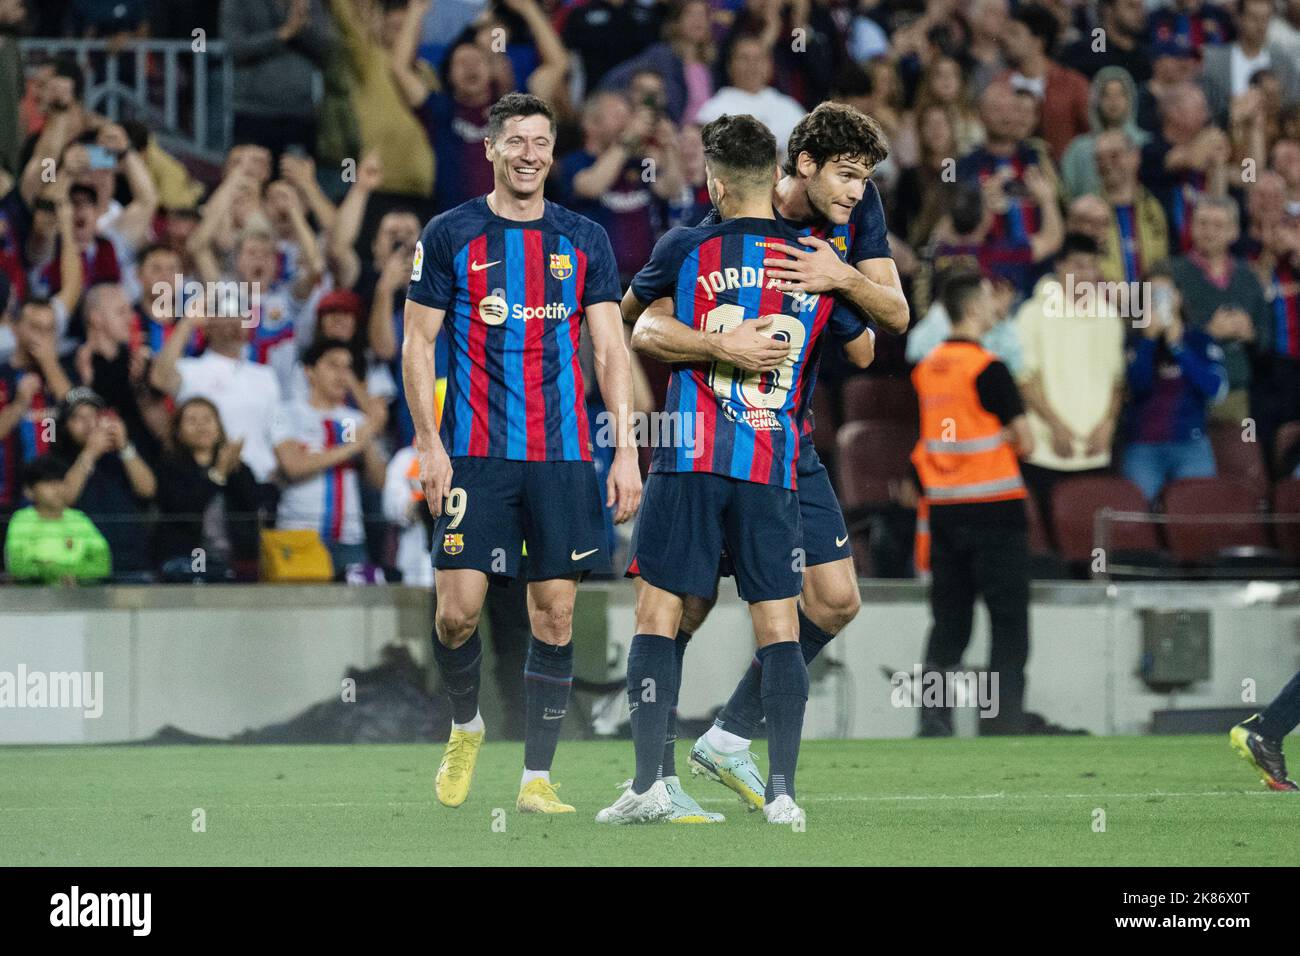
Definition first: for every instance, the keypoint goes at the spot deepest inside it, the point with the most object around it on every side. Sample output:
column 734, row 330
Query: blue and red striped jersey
column 863, row 237
column 1284, row 296
column 514, row 294
column 733, row 423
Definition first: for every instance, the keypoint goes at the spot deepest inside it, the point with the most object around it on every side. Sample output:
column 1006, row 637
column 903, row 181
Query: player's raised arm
column 422, row 324
column 614, row 376
column 660, row 335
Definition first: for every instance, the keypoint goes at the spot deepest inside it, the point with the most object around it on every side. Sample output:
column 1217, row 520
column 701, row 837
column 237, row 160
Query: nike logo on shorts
column 575, row 556
column 839, row 542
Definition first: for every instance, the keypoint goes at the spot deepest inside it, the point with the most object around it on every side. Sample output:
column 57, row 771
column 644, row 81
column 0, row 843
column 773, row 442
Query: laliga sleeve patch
column 417, row 264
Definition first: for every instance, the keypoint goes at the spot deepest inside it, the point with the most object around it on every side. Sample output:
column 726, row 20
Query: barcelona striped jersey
column 863, row 237
column 733, row 423
column 514, row 294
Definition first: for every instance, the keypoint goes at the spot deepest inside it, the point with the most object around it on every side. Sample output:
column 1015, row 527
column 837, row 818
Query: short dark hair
column 740, row 144
column 1077, row 242
column 520, row 105
column 966, row 207
column 152, row 248
column 322, row 346
column 959, row 285
column 67, row 65
column 1041, row 22
column 837, row 131
column 42, row 468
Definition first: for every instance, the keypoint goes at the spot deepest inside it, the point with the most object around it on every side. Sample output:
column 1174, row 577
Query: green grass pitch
column 1167, row 801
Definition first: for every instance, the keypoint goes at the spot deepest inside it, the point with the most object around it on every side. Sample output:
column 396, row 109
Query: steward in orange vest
column 972, row 514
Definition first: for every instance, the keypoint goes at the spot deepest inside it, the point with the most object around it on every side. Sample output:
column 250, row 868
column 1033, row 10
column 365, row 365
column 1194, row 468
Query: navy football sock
column 785, row 695
column 651, row 664
column 668, row 767
column 548, row 677
column 743, row 713
column 460, row 675
column 1282, row 716
column 811, row 637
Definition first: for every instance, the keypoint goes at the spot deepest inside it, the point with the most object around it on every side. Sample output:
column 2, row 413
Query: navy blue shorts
column 688, row 518
column 497, row 505
column 825, row 535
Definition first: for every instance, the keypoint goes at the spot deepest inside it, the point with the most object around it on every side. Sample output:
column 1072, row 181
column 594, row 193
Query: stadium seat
column 1238, row 460
column 880, row 398
column 1199, row 541
column 1075, row 503
column 1286, row 502
column 826, row 420
column 871, row 458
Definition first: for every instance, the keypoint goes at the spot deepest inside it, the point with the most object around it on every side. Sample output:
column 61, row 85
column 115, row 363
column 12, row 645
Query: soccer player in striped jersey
column 512, row 277
column 1259, row 738
column 729, row 482
column 826, row 191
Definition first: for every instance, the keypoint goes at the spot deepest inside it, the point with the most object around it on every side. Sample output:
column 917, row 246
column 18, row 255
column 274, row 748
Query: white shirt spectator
column 329, row 501
column 246, row 395
column 1244, row 67
column 778, row 112
column 401, row 488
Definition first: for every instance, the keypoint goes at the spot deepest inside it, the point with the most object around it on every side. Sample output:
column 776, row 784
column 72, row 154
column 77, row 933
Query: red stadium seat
column 1075, row 503
column 1286, row 501
column 1195, row 541
column 871, row 459
column 880, row 398
column 1238, row 460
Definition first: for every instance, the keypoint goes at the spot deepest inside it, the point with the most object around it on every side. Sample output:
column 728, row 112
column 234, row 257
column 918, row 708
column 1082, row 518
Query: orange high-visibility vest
column 961, row 456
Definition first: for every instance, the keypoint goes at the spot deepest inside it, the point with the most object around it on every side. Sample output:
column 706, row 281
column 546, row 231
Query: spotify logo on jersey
column 493, row 309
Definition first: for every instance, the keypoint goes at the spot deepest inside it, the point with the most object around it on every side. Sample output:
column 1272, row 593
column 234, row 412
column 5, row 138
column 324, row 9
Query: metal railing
column 1277, row 559
column 181, row 90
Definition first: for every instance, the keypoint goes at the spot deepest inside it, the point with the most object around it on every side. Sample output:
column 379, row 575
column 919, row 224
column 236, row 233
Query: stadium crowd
column 186, row 359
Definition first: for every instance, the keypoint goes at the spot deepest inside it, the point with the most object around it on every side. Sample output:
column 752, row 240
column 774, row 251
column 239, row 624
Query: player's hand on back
column 814, row 269
column 624, row 485
column 748, row 347
column 435, row 477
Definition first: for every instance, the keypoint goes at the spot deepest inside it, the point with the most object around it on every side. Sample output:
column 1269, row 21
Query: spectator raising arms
column 1174, row 374
column 380, row 104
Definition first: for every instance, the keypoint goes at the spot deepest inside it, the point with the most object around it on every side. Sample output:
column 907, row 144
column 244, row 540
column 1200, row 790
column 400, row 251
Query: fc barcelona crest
column 561, row 265
column 453, row 543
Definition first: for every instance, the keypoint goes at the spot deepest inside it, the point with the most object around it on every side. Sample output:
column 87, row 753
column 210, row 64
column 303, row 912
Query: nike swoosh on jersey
column 839, row 542
column 480, row 266
column 575, row 556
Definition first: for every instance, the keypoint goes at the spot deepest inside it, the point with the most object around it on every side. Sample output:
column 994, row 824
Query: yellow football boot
column 538, row 796
column 457, row 767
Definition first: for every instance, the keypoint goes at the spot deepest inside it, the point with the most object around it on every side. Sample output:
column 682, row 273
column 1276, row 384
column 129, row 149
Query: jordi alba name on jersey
column 514, row 295
column 734, row 423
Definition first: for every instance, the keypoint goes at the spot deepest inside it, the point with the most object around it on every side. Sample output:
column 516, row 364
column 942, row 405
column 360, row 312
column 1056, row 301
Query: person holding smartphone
column 1175, row 372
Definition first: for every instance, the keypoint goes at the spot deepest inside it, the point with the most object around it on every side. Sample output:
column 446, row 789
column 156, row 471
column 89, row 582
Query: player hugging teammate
column 738, row 305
